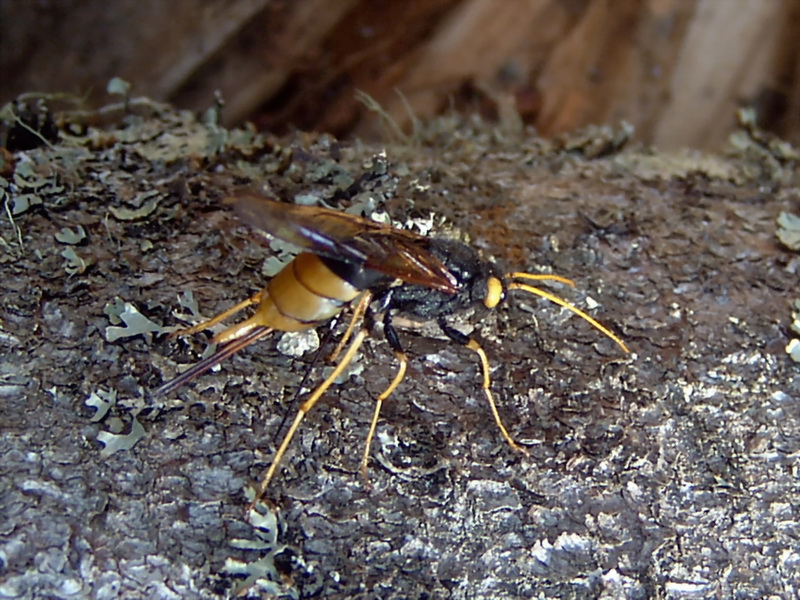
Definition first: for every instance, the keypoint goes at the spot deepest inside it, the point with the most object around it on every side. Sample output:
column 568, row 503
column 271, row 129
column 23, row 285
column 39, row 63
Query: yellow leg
column 304, row 409
column 254, row 299
column 358, row 313
column 487, row 382
column 401, row 373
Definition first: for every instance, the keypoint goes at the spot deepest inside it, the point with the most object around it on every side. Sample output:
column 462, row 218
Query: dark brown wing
column 337, row 235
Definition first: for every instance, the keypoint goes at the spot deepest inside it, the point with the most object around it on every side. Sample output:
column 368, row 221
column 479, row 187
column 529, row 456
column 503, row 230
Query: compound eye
column 494, row 292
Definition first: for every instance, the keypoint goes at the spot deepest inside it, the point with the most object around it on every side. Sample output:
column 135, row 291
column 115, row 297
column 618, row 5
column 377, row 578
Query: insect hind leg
column 473, row 345
column 207, row 324
column 305, row 408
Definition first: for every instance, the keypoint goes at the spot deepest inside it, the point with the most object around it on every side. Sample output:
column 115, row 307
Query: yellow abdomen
column 304, row 293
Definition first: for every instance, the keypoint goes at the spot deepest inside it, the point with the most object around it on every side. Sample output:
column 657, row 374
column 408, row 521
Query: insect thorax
column 470, row 271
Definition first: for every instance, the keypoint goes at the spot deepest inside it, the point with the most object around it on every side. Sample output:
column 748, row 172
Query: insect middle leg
column 394, row 341
column 358, row 314
column 473, row 345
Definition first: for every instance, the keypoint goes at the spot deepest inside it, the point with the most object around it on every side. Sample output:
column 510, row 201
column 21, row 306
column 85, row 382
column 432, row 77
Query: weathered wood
column 675, row 69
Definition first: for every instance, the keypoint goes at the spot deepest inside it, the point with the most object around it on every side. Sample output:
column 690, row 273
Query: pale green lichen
column 28, row 186
column 793, row 347
column 70, row 236
column 102, row 401
column 113, row 309
column 135, row 322
column 114, row 442
column 188, row 301
column 118, row 87
column 144, row 205
column 73, row 263
column 282, row 253
column 259, row 574
column 789, row 230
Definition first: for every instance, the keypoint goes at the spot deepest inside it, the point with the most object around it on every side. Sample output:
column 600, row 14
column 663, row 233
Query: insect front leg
column 473, row 345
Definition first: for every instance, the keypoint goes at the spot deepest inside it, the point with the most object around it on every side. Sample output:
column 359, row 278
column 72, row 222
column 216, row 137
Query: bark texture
column 665, row 473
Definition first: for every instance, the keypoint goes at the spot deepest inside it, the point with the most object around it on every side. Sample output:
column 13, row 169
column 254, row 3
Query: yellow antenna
column 515, row 285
